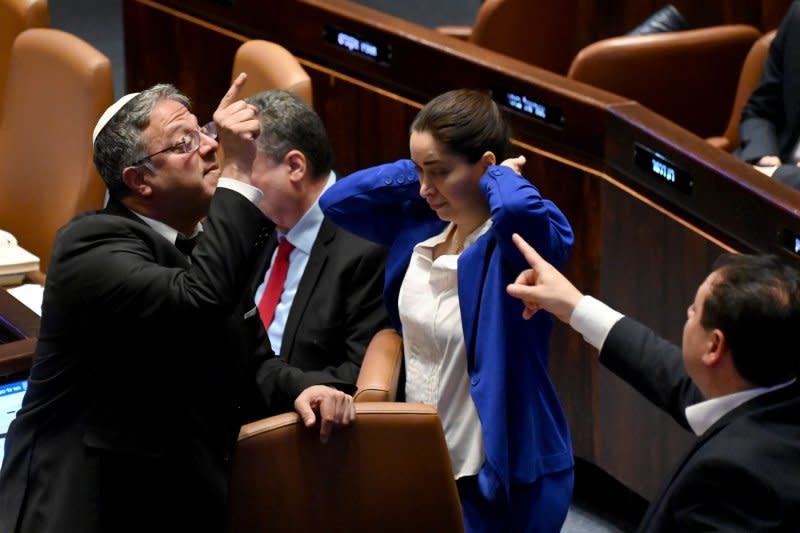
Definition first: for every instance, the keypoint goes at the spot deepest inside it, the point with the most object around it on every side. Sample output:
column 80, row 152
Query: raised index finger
column 233, row 93
column 531, row 256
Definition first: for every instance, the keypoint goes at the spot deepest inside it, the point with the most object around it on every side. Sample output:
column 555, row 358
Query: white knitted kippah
column 109, row 113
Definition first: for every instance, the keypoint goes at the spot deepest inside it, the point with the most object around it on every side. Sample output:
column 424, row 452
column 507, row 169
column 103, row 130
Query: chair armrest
column 459, row 32
column 380, row 370
column 723, row 143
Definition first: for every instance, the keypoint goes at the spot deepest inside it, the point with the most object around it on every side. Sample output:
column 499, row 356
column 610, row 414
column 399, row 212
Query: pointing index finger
column 531, row 256
column 233, row 93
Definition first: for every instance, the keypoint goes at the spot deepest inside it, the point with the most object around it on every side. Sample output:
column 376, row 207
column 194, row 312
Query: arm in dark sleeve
column 119, row 271
column 651, row 365
column 365, row 314
column 764, row 113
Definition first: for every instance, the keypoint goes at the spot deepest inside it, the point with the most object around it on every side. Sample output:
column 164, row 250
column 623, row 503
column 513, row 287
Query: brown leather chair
column 380, row 369
column 688, row 77
column 540, row 32
column 389, row 471
column 17, row 16
column 58, row 86
column 271, row 66
column 748, row 81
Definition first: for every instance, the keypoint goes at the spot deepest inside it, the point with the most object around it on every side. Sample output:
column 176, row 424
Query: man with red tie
column 318, row 288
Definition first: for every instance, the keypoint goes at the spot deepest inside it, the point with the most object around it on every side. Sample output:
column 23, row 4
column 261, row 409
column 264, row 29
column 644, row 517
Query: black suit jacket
column 337, row 309
column 142, row 368
column 770, row 123
column 743, row 473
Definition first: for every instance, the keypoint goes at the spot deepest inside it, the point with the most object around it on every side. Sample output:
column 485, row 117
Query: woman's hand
column 515, row 163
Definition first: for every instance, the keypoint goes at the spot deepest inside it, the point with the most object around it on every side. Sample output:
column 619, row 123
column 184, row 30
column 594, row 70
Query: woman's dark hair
column 755, row 302
column 465, row 122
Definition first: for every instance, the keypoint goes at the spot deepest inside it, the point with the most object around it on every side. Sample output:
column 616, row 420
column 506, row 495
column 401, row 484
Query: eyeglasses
column 189, row 143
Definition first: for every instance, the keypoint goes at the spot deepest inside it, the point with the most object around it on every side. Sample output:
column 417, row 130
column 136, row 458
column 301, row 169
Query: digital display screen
column 10, row 401
column 529, row 106
column 790, row 241
column 357, row 45
column 661, row 168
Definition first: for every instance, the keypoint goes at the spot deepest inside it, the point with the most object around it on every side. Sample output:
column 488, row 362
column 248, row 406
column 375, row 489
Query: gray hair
column 289, row 123
column 121, row 143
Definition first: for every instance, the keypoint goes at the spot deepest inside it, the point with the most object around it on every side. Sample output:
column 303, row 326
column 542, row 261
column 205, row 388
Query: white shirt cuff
column 253, row 194
column 593, row 319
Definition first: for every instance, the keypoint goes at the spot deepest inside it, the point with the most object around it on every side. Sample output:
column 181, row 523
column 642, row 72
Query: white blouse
column 435, row 351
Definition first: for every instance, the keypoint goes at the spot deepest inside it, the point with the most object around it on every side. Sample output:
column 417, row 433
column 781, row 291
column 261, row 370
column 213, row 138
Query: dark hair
column 289, row 123
column 466, row 122
column 120, row 142
column 755, row 302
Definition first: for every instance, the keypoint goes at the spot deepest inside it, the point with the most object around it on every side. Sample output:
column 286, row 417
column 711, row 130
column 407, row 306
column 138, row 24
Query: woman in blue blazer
column 447, row 216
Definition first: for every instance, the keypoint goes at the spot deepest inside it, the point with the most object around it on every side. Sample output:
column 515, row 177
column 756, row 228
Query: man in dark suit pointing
column 734, row 384
column 147, row 358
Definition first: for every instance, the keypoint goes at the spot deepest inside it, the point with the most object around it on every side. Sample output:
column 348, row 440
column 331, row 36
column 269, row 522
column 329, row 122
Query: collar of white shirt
column 303, row 234
column 169, row 233
column 703, row 415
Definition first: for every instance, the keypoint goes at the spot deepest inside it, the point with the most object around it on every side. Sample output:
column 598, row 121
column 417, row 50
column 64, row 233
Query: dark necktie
column 186, row 245
column 274, row 286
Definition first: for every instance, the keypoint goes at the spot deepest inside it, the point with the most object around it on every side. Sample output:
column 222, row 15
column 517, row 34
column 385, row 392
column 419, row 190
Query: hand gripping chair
column 748, row 81
column 17, row 16
column 271, row 66
column 58, row 86
column 688, row 76
column 389, row 471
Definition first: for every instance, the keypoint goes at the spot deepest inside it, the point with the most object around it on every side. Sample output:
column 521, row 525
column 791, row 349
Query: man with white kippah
column 733, row 383
column 149, row 352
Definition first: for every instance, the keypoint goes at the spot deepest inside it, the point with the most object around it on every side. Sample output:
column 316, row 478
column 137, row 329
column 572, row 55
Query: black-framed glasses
column 189, row 143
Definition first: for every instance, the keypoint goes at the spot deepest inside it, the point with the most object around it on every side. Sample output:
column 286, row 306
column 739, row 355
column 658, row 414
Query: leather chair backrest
column 541, row 32
column 748, row 81
column 17, row 16
column 58, row 86
column 388, row 471
column 380, row 369
column 688, row 77
column 271, row 66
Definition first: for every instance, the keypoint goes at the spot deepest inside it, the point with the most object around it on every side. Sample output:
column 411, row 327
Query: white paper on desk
column 29, row 294
column 769, row 171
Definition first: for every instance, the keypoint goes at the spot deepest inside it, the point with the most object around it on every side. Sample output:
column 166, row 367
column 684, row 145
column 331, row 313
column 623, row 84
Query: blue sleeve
column 375, row 203
column 516, row 206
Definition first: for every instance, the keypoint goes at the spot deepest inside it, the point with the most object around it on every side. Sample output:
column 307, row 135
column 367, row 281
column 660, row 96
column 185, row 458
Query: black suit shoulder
column 743, row 474
column 652, row 365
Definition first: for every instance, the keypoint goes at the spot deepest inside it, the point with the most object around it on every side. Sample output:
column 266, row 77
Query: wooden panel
column 670, row 262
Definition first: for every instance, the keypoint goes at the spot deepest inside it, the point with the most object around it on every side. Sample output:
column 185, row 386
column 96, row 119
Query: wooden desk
column 642, row 244
column 15, row 356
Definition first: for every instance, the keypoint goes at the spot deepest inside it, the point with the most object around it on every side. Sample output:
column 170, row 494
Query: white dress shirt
column 302, row 235
column 435, row 351
column 593, row 319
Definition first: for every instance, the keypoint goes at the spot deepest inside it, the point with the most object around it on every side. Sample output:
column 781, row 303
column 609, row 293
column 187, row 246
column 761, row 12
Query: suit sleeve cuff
column 253, row 194
column 593, row 319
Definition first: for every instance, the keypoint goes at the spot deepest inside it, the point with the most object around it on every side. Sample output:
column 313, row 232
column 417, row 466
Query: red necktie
column 274, row 287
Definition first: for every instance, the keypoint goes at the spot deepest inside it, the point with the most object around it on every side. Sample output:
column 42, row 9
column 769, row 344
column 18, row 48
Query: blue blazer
column 525, row 432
